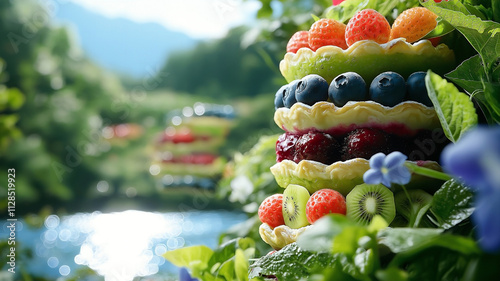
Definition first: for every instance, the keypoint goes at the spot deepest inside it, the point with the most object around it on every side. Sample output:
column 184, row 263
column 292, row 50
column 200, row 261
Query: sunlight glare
column 119, row 246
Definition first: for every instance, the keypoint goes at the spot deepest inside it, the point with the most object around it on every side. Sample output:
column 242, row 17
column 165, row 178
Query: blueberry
column 416, row 90
column 388, row 88
column 278, row 98
column 348, row 86
column 289, row 98
column 311, row 89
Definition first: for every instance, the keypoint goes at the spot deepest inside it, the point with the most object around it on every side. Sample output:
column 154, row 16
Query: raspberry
column 327, row 32
column 270, row 211
column 299, row 39
column 367, row 24
column 316, row 146
column 285, row 147
column 364, row 143
column 323, row 202
column 413, row 24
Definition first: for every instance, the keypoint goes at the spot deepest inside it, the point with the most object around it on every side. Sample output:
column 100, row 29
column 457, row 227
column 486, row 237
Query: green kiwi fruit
column 409, row 204
column 294, row 206
column 368, row 200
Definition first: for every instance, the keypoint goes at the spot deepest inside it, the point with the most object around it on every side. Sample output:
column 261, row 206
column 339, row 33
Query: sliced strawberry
column 270, row 211
column 323, row 202
column 326, row 32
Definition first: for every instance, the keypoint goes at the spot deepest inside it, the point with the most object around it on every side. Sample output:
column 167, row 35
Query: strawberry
column 367, row 24
column 337, row 2
column 413, row 24
column 299, row 39
column 327, row 32
column 270, row 211
column 323, row 202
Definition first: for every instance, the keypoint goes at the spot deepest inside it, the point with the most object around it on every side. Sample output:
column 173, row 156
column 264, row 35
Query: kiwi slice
column 368, row 200
column 409, row 205
column 294, row 206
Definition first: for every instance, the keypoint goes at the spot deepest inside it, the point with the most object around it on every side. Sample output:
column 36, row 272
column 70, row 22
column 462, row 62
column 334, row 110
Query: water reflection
column 121, row 245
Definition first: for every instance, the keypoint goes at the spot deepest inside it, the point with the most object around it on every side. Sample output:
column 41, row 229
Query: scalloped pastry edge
column 279, row 236
column 326, row 116
column 342, row 176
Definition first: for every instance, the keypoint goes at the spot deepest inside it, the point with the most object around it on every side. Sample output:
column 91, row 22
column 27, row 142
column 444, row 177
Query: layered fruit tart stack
column 353, row 90
column 187, row 152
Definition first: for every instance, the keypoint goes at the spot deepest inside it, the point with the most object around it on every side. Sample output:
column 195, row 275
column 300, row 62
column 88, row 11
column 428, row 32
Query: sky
column 200, row 19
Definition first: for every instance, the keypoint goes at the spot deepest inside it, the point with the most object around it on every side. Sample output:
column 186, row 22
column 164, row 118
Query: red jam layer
column 329, row 148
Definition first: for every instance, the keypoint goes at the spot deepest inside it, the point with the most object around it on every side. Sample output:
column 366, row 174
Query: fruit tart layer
column 368, row 58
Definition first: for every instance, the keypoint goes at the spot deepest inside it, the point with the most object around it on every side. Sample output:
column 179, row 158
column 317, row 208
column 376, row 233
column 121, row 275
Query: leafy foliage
column 479, row 74
column 228, row 262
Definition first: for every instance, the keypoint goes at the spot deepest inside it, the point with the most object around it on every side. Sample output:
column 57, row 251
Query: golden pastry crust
column 280, row 236
column 325, row 116
column 368, row 59
column 342, row 176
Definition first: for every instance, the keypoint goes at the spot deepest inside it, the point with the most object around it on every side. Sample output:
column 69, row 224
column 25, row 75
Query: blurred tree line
column 53, row 138
column 54, row 103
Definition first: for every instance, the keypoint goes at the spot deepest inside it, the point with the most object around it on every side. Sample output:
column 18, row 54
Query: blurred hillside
column 55, row 103
column 133, row 49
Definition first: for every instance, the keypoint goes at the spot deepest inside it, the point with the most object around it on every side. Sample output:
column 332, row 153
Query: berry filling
column 360, row 143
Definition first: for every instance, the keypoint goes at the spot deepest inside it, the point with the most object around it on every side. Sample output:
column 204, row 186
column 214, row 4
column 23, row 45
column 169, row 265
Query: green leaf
column 455, row 110
column 347, row 241
column 483, row 35
column 240, row 265
column 392, row 274
column 452, row 204
column 291, row 263
column 194, row 257
column 403, row 239
column 319, row 237
column 442, row 28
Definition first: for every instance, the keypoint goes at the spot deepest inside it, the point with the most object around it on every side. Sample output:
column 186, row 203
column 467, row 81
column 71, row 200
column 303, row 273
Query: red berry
column 285, row 147
column 270, row 211
column 316, row 146
column 337, row 2
column 298, row 40
column 323, row 202
column 326, row 32
column 413, row 24
column 435, row 41
column 367, row 24
column 364, row 143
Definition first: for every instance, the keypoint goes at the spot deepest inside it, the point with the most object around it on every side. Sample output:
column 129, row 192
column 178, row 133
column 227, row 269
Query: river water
column 118, row 246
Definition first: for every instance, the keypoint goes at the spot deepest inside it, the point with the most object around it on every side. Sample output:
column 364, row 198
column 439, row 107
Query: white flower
column 241, row 187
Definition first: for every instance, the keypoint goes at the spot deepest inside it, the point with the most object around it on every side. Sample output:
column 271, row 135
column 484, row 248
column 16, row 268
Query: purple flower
column 185, row 276
column 387, row 169
column 475, row 160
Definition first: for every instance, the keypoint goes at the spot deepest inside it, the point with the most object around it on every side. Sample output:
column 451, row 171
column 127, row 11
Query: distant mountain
column 123, row 45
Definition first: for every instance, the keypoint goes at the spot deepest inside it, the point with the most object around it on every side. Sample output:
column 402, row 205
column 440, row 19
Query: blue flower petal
column 372, row 176
column 400, row 175
column 185, row 276
column 386, row 180
column 394, row 159
column 464, row 158
column 488, row 221
column 377, row 161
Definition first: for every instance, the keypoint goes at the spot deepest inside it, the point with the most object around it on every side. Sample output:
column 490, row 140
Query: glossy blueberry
column 289, row 98
column 311, row 89
column 278, row 98
column 416, row 90
column 348, row 86
column 388, row 88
